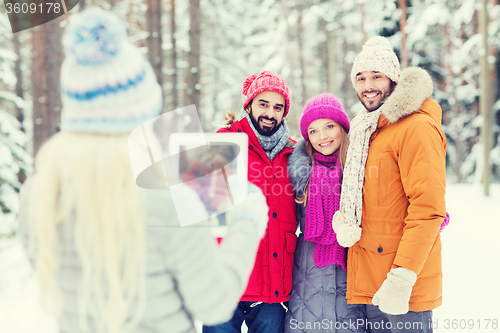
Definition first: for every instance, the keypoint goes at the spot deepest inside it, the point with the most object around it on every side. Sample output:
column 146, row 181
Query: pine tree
column 13, row 157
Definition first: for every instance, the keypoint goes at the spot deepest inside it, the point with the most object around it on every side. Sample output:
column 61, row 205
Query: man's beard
column 380, row 103
column 264, row 131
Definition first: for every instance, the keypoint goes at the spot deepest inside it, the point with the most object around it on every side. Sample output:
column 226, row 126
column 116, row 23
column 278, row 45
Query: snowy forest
column 202, row 50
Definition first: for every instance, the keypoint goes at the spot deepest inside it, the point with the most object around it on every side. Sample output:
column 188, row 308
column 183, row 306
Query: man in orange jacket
column 392, row 203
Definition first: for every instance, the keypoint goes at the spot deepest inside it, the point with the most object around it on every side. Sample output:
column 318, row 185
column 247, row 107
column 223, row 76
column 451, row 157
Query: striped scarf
column 347, row 220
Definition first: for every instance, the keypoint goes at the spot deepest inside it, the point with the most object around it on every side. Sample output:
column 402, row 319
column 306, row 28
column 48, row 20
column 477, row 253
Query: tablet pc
column 212, row 165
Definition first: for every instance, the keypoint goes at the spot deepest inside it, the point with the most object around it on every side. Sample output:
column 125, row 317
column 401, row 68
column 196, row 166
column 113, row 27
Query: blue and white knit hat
column 107, row 85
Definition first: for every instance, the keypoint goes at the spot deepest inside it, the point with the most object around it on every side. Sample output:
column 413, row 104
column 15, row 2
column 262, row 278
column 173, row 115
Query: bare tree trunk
column 323, row 55
column 194, row 86
column 184, row 79
column 154, row 40
column 175, row 70
column 331, row 56
column 216, row 75
column 485, row 98
column 292, row 118
column 493, row 79
column 17, row 66
column 300, row 40
column 362, row 27
column 448, row 87
column 352, row 97
column 402, row 25
column 492, row 53
column 47, row 58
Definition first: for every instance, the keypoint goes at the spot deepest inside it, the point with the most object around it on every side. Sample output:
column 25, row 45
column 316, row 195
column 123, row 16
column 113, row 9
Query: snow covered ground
column 471, row 261
column 20, row 310
column 471, row 269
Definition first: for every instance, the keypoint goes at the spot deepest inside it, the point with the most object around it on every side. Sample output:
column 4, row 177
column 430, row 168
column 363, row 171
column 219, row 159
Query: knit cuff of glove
column 404, row 275
column 239, row 215
column 347, row 234
column 393, row 297
column 256, row 217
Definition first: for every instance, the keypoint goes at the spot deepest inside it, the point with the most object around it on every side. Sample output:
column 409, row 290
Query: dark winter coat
column 318, row 296
column 271, row 278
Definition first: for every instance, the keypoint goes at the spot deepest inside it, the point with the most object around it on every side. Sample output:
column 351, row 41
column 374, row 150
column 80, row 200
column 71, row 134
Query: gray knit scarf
column 273, row 144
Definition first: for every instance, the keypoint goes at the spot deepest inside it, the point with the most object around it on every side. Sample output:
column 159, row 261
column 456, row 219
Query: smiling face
column 266, row 112
column 325, row 136
column 372, row 89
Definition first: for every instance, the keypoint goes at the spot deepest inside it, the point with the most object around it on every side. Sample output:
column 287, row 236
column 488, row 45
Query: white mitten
column 393, row 296
column 253, row 209
column 347, row 234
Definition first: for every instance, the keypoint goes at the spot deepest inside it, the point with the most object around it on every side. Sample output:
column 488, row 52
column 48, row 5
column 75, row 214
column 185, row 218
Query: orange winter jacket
column 403, row 199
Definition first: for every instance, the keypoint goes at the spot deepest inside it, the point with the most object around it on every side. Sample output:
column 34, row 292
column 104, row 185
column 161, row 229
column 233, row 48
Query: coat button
column 380, row 249
column 276, row 293
column 251, row 146
column 275, row 215
column 275, row 255
column 239, row 129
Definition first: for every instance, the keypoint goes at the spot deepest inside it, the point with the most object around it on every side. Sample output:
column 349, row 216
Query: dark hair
column 392, row 86
column 249, row 105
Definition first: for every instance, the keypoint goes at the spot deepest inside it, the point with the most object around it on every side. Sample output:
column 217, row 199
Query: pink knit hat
column 378, row 56
column 265, row 81
column 323, row 106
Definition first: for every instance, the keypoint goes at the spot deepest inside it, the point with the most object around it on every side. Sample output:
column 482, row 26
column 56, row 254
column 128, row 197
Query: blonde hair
column 344, row 144
column 87, row 179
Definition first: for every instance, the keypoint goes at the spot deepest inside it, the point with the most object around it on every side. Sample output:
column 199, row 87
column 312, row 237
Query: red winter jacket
column 271, row 279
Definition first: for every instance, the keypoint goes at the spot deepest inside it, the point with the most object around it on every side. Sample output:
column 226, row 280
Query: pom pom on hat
column 323, row 106
column 94, row 37
column 107, row 85
column 265, row 81
column 248, row 82
column 377, row 55
column 377, row 41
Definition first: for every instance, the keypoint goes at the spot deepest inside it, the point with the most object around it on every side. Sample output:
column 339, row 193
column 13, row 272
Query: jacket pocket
column 290, row 244
column 373, row 257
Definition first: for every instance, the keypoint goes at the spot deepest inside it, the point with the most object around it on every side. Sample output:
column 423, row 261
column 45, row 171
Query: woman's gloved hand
column 253, row 209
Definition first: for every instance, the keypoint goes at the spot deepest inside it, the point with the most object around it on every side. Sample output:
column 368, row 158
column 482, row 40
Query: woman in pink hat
column 318, row 298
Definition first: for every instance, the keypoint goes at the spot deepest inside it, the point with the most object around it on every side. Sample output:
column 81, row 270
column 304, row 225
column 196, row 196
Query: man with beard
column 392, row 204
column 267, row 103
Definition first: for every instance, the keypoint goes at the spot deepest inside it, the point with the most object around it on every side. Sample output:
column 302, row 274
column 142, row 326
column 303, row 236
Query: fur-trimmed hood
column 413, row 88
column 299, row 167
column 229, row 118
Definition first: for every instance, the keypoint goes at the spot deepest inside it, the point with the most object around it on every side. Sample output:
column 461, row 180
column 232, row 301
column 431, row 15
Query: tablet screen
column 215, row 168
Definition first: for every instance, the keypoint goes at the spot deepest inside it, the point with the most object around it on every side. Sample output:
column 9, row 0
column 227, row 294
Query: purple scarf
column 323, row 201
